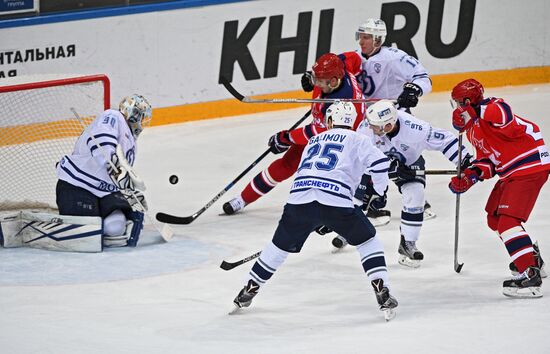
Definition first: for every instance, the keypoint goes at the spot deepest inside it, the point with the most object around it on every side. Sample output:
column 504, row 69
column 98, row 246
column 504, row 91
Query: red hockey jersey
column 349, row 89
column 506, row 144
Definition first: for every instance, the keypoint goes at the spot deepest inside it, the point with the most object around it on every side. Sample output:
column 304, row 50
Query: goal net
column 37, row 127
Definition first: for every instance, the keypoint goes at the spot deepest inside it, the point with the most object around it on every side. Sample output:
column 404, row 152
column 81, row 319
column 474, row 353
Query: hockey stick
column 165, row 231
column 184, row 220
column 436, row 172
column 230, row 265
column 248, row 99
column 458, row 266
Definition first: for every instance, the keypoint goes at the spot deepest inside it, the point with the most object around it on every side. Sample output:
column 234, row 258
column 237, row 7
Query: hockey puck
column 173, row 179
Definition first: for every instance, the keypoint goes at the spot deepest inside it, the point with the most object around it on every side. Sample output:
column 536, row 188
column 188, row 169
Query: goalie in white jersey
column 322, row 194
column 98, row 194
column 403, row 138
column 88, row 185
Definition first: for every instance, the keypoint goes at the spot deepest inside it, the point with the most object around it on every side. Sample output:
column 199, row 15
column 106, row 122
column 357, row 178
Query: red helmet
column 468, row 89
column 328, row 66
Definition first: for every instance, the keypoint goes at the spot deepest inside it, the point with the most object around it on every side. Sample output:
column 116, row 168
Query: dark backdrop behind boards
column 51, row 6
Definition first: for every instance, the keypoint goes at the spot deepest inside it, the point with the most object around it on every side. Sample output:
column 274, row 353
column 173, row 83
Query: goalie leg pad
column 10, row 227
column 61, row 232
column 129, row 236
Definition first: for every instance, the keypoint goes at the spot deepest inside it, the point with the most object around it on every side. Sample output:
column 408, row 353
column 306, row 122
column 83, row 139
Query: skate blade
column 389, row 314
column 235, row 310
column 532, row 292
column 406, row 261
column 429, row 214
column 380, row 221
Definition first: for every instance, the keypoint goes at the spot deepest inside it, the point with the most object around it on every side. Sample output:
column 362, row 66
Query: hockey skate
column 525, row 285
column 245, row 296
column 378, row 217
column 428, row 213
column 339, row 243
column 386, row 302
column 234, row 205
column 538, row 259
column 409, row 255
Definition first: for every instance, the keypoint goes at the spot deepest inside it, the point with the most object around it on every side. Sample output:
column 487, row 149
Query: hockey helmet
column 469, row 89
column 328, row 65
column 137, row 111
column 381, row 113
column 375, row 27
column 341, row 114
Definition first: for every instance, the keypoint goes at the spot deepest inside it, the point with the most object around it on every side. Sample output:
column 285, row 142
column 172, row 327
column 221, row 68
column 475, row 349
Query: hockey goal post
column 37, row 128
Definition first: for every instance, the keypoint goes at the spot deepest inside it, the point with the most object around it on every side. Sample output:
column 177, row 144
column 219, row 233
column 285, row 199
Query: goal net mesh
column 37, row 127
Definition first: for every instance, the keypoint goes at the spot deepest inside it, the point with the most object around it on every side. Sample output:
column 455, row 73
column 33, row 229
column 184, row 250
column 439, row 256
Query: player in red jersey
column 332, row 80
column 512, row 148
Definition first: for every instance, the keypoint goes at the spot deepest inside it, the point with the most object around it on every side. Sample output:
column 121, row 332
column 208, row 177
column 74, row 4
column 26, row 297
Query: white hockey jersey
column 413, row 138
column 383, row 74
column 86, row 167
column 332, row 165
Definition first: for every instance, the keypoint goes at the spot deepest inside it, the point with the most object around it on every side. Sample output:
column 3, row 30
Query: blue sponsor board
column 14, row 6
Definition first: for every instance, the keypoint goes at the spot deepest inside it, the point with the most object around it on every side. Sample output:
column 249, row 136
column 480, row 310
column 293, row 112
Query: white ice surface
column 174, row 298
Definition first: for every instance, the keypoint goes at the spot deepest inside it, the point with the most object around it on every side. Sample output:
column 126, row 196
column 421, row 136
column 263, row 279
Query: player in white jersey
column 403, row 138
column 322, row 194
column 384, row 73
column 89, row 186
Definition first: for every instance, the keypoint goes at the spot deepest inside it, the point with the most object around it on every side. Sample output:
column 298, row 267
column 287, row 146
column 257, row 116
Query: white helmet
column 341, row 113
column 137, row 112
column 381, row 113
column 375, row 27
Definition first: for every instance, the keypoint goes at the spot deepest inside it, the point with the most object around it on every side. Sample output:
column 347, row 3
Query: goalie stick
column 165, row 231
column 248, row 99
column 184, row 220
column 230, row 265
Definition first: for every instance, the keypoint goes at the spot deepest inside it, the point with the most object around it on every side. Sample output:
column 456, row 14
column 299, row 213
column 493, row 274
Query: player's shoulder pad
column 412, row 127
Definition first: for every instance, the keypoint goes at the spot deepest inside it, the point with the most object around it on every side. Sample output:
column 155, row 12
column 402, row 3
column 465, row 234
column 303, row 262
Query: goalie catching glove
column 122, row 174
column 279, row 142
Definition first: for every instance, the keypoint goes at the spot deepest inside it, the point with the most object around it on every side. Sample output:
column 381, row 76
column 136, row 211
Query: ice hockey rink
column 174, row 298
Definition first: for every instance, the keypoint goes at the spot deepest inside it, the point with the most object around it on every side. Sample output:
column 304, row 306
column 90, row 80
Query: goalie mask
column 374, row 27
column 341, row 114
column 380, row 114
column 137, row 112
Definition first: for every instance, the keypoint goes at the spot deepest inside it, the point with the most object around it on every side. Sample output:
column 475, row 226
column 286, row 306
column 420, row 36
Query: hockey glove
column 379, row 201
column 323, row 230
column 400, row 170
column 122, row 174
column 466, row 162
column 280, row 142
column 119, row 175
column 463, row 117
column 409, row 97
column 307, row 82
column 462, row 184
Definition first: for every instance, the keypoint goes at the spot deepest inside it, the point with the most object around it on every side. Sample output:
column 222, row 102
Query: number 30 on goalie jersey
column 86, row 166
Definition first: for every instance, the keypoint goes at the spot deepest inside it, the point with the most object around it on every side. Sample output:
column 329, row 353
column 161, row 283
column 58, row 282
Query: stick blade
column 458, row 267
column 172, row 219
column 230, row 88
column 227, row 266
